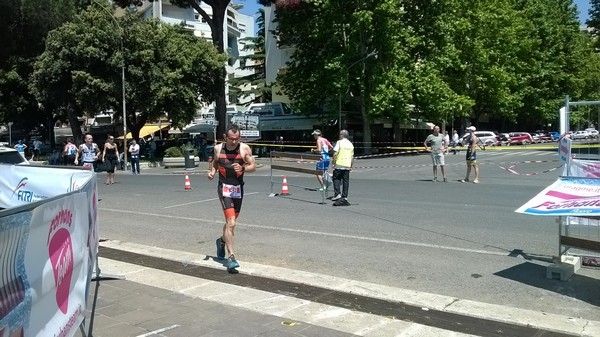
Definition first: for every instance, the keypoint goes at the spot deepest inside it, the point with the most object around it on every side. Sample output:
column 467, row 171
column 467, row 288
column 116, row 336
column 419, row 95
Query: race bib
column 232, row 191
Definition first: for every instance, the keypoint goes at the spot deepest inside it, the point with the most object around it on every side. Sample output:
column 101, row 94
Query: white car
column 593, row 133
column 582, row 134
column 11, row 156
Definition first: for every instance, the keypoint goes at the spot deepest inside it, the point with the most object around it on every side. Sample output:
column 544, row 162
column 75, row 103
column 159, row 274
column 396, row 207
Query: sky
column 251, row 7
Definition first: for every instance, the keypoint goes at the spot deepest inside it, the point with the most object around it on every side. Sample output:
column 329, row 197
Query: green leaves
column 166, row 68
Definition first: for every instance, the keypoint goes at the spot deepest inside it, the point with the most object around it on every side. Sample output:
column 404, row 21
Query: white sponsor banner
column 564, row 153
column 23, row 184
column 46, row 257
column 566, row 196
column 584, row 168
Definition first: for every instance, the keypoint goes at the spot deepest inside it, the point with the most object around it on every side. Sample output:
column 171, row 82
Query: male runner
column 232, row 159
column 472, row 143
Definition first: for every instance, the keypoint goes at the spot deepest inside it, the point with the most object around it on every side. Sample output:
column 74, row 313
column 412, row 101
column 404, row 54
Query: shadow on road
column 580, row 287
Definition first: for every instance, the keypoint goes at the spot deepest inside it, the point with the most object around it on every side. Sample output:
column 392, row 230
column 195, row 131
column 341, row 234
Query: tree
column 24, row 25
column 216, row 22
column 166, row 69
column 255, row 83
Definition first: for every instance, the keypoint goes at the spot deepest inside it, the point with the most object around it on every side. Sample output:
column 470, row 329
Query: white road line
column 157, row 332
column 201, row 201
column 304, row 231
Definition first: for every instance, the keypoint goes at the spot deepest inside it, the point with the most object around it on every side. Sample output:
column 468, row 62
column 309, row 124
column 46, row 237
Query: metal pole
column 10, row 124
column 124, row 109
column 340, row 110
column 122, row 80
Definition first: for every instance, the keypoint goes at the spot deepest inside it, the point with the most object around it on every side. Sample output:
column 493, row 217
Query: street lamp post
column 373, row 53
column 122, row 81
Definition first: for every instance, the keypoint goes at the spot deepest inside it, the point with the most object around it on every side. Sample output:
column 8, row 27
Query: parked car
column 487, row 138
column 581, row 134
column 555, row 135
column 520, row 138
column 11, row 156
column 593, row 133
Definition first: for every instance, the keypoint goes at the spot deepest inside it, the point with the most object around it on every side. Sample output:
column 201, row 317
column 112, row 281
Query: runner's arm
column 250, row 163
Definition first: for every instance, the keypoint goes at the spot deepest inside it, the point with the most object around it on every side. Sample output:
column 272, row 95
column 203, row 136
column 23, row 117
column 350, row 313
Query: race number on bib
column 232, row 191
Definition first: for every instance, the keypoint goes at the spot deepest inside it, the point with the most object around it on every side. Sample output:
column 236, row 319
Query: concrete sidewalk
column 172, row 293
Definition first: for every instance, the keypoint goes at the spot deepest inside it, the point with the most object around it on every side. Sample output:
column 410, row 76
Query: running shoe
column 337, row 197
column 232, row 263
column 220, row 249
column 476, row 181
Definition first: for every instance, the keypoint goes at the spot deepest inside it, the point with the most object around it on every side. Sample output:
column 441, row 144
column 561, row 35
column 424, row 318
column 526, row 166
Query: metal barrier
column 301, row 156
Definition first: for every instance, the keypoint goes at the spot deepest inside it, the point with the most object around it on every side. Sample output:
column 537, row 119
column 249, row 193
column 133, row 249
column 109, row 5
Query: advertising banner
column 566, row 196
column 47, row 251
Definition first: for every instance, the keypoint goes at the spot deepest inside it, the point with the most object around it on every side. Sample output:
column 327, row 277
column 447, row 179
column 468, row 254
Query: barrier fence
column 48, row 249
column 294, row 168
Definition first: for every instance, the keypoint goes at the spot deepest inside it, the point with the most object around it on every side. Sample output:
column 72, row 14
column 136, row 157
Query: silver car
column 11, row 156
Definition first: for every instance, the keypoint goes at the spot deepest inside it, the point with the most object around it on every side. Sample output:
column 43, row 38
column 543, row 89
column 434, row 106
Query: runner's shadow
column 580, row 287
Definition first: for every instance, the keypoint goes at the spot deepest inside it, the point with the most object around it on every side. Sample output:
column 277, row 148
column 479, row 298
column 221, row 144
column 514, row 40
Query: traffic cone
column 284, row 187
column 188, row 185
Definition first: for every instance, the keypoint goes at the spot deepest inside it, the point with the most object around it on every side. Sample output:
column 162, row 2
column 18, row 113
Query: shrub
column 183, row 149
column 174, row 152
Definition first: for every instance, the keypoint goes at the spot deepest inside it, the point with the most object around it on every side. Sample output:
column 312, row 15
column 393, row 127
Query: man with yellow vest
column 343, row 159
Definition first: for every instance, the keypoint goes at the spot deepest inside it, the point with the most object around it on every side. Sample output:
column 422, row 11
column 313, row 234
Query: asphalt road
column 456, row 239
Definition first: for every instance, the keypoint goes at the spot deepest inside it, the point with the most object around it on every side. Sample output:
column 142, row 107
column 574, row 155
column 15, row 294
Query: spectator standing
column 455, row 139
column 446, row 138
column 152, row 153
column 36, row 149
column 134, row 150
column 21, row 148
column 89, row 152
column 110, row 155
column 343, row 160
column 436, row 144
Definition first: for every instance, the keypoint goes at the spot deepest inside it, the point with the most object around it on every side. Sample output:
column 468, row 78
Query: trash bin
column 189, row 158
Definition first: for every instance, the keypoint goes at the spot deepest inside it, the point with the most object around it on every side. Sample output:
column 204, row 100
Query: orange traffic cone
column 284, row 187
column 188, row 185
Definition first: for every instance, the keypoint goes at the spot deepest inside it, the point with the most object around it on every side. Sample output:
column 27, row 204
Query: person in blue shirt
column 21, row 147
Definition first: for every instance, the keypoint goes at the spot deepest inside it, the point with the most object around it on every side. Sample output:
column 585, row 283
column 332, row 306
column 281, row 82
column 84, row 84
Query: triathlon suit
column 87, row 156
column 70, row 154
column 323, row 164
column 231, row 183
column 471, row 152
column 111, row 157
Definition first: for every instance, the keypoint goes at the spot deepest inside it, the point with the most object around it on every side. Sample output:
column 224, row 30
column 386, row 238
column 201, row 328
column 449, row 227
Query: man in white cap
column 472, row 142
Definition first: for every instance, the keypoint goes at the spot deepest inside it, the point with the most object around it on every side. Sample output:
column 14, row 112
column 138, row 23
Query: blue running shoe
column 232, row 263
column 220, row 249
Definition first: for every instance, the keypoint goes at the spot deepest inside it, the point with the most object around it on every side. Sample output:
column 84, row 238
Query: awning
column 148, row 129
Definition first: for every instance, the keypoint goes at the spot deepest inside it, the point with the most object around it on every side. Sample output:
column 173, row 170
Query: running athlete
column 323, row 147
column 472, row 142
column 89, row 153
column 233, row 159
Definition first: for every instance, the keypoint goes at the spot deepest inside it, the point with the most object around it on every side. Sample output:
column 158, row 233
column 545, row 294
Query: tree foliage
column 495, row 62
column 216, row 21
column 166, row 69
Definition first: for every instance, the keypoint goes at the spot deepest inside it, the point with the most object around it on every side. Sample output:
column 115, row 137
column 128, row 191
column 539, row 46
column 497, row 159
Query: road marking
column 201, row 201
column 157, row 332
column 304, row 231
